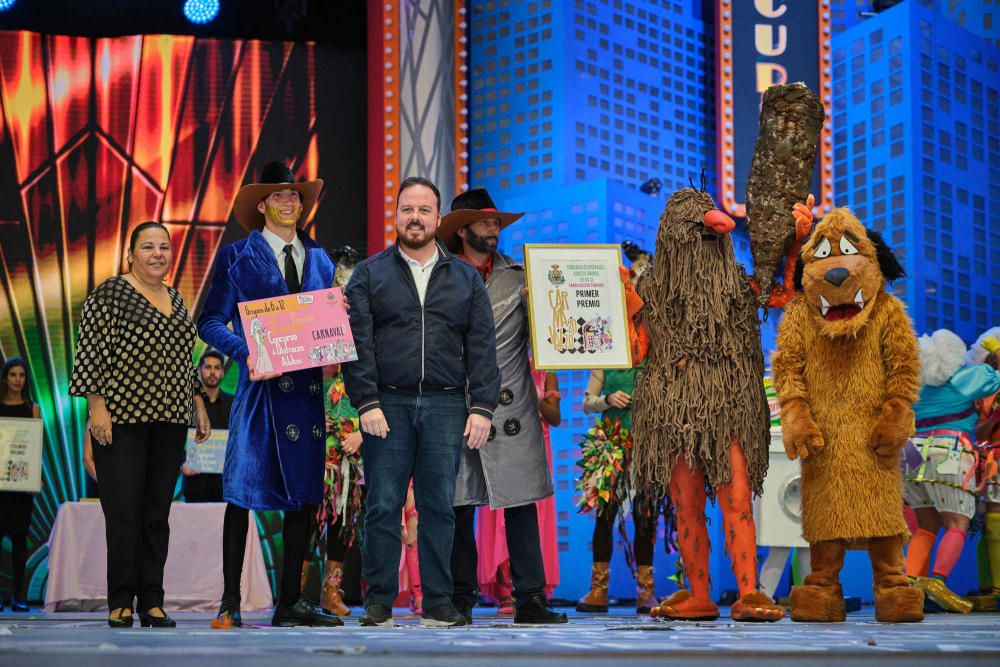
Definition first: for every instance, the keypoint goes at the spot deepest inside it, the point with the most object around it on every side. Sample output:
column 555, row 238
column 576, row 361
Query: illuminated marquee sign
column 760, row 43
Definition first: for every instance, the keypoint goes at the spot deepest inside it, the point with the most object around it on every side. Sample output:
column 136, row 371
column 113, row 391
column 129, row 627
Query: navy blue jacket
column 446, row 345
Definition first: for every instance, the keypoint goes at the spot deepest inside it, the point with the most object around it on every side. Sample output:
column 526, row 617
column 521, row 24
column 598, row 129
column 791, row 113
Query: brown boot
column 896, row 601
column 645, row 595
column 821, row 599
column 596, row 601
column 330, row 598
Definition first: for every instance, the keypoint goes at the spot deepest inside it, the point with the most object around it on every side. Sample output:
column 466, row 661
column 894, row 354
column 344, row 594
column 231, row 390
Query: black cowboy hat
column 467, row 208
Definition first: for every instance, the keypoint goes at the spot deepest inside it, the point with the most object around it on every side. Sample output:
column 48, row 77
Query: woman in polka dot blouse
column 134, row 365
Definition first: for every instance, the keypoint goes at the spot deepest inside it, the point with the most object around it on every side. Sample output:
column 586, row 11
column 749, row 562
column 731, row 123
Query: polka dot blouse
column 133, row 355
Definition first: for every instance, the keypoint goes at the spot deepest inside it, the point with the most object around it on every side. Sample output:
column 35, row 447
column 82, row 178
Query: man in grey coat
column 511, row 470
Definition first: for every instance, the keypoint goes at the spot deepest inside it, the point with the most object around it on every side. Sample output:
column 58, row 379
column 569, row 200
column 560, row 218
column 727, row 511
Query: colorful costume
column 846, row 370
column 605, row 484
column 343, row 490
column 987, row 350
column 700, row 414
column 940, row 473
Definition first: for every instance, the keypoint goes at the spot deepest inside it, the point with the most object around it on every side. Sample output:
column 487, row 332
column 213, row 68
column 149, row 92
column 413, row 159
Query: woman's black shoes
column 121, row 621
column 147, row 620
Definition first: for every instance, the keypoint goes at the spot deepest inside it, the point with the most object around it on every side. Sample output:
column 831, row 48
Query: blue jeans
column 424, row 443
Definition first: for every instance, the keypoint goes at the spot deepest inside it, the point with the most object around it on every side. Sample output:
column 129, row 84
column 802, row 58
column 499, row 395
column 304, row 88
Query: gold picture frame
column 576, row 306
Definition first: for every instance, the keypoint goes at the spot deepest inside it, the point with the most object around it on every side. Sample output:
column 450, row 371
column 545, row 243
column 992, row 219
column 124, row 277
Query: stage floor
column 84, row 639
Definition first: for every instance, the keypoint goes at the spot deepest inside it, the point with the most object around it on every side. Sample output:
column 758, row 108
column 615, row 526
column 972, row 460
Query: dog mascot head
column 843, row 272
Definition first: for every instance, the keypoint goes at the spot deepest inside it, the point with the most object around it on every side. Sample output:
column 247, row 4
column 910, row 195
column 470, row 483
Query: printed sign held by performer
column 21, row 454
column 208, row 456
column 297, row 331
column 576, row 304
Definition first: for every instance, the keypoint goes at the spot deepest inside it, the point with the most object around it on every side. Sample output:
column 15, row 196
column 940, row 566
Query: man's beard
column 484, row 244
column 414, row 244
column 211, row 383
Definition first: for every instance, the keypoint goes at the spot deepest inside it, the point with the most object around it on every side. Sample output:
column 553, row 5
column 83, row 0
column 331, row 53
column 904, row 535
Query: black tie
column 291, row 273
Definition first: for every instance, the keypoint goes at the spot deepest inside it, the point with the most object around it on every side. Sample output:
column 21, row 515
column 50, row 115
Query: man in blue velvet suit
column 276, row 450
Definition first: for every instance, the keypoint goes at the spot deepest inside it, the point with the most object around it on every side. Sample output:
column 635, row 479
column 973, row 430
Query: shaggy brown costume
column 700, row 416
column 702, row 387
column 847, row 375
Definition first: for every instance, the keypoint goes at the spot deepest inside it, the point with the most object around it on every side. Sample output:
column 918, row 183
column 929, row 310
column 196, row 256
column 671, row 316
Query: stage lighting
column 6, row 4
column 199, row 11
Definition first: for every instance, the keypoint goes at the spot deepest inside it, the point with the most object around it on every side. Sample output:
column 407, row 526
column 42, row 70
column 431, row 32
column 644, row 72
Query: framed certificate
column 576, row 304
column 21, row 454
column 298, row 331
column 208, row 456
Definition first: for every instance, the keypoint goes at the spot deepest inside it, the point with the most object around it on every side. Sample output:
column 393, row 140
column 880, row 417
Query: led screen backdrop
column 97, row 135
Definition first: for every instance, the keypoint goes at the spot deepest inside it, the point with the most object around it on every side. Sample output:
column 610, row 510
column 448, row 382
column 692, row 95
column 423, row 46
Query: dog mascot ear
column 891, row 268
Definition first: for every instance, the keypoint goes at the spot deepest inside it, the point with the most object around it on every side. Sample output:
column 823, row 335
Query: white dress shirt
column 421, row 273
column 278, row 246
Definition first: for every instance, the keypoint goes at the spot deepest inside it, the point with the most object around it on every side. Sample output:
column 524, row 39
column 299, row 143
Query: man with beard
column 512, row 470
column 206, row 487
column 425, row 379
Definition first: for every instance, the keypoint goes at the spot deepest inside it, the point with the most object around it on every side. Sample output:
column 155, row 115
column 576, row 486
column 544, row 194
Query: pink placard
column 297, row 331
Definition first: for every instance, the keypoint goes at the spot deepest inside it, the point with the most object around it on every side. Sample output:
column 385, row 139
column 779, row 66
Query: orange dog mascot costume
column 847, row 375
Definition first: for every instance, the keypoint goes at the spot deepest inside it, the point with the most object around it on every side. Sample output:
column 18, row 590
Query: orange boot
column 596, row 601
column 645, row 594
column 330, row 597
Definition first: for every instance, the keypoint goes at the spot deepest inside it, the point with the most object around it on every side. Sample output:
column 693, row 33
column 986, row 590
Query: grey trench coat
column 511, row 469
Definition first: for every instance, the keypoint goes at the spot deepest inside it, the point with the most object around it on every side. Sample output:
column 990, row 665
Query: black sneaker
column 465, row 609
column 443, row 616
column 303, row 612
column 538, row 611
column 377, row 615
column 229, row 615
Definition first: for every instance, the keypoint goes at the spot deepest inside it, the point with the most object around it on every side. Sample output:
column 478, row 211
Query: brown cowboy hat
column 273, row 177
column 467, row 208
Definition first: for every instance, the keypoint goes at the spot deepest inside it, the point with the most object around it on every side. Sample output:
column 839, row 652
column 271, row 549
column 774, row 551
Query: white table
column 192, row 579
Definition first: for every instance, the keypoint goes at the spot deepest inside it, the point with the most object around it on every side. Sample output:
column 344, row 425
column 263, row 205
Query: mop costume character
column 701, row 418
column 847, row 374
column 940, row 476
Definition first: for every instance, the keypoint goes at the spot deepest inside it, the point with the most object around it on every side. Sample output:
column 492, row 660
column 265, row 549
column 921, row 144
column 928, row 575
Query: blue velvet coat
column 277, row 430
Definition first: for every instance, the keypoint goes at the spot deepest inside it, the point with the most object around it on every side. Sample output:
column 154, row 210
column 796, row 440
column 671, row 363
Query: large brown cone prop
column 791, row 120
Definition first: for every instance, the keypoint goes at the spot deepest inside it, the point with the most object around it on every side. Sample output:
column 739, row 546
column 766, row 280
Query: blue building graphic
column 981, row 17
column 564, row 92
column 917, row 156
